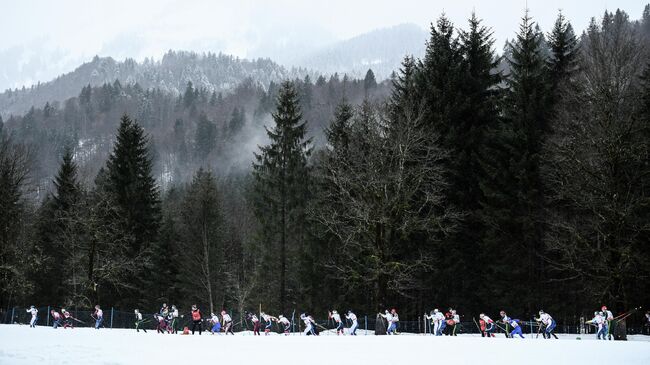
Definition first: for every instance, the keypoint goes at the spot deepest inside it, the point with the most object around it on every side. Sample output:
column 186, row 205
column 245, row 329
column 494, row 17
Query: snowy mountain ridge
column 214, row 72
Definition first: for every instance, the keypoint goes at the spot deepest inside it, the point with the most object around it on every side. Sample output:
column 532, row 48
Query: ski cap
column 31, row 307
column 135, row 311
column 541, row 312
column 481, row 315
column 435, row 310
column 63, row 310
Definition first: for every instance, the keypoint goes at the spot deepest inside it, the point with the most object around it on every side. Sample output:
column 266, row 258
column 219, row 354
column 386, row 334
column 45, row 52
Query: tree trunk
column 283, row 254
column 206, row 264
column 380, row 289
column 91, row 272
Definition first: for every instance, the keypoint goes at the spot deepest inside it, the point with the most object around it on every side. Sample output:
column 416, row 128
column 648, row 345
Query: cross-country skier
column 162, row 325
column 197, row 321
column 216, row 324
column 34, row 312
column 438, row 321
column 506, row 321
column 442, row 324
column 352, row 317
column 227, row 323
column 600, row 323
column 647, row 321
column 67, row 319
column 448, row 323
column 138, row 321
column 340, row 328
column 256, row 323
column 99, row 316
column 309, row 325
column 173, row 315
column 489, row 325
column 56, row 319
column 164, row 310
column 516, row 328
column 548, row 322
column 285, row 322
column 393, row 321
column 268, row 320
column 482, row 327
column 609, row 318
column 452, row 322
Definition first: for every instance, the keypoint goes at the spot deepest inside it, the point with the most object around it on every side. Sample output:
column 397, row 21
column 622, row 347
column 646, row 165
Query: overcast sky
column 41, row 38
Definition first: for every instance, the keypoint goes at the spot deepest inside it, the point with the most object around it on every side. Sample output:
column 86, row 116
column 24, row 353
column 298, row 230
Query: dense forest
column 457, row 182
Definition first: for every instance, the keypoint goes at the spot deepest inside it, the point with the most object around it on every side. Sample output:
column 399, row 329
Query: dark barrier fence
column 120, row 319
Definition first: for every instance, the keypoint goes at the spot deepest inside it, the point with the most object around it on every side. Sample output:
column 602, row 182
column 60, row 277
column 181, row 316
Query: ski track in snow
column 20, row 344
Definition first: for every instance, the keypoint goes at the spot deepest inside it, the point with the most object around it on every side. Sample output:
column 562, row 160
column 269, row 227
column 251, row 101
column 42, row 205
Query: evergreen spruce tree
column 513, row 193
column 237, row 121
column 281, row 190
column 476, row 113
column 405, row 97
column 439, row 79
column 56, row 227
column 66, row 183
column 369, row 82
column 205, row 139
column 563, row 61
column 132, row 185
column 338, row 133
column 189, row 96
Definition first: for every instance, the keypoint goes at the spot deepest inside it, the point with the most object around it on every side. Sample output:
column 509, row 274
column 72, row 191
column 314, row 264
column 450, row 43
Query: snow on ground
column 20, row 344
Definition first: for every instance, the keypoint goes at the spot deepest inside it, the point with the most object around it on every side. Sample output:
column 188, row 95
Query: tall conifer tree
column 281, row 189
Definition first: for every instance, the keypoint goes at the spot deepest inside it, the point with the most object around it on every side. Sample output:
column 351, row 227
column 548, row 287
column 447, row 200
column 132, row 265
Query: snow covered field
column 21, row 345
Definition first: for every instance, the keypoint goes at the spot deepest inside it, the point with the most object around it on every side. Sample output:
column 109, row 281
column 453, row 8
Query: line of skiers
column 512, row 326
column 281, row 320
column 443, row 323
column 167, row 320
column 65, row 319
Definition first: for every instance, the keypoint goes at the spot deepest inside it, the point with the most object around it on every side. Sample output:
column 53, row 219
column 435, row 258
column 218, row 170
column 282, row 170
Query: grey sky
column 40, row 39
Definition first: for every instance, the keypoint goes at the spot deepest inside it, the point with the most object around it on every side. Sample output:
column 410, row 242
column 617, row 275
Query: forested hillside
column 198, row 127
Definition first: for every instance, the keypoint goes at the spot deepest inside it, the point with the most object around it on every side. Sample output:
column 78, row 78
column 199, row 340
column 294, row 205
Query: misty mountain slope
column 193, row 129
column 214, row 72
column 381, row 50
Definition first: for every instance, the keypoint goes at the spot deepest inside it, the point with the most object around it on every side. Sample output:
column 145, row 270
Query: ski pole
column 503, row 329
column 477, row 326
column 627, row 314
